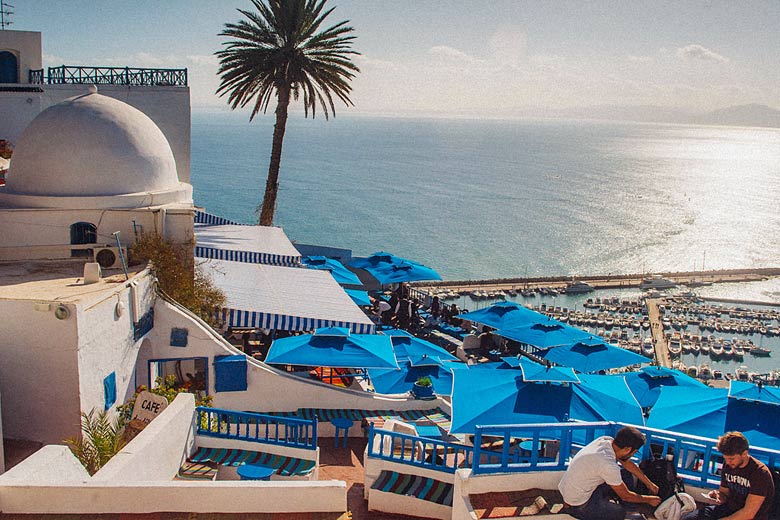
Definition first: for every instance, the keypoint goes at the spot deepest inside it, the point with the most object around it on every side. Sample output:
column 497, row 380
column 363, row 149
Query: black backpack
column 663, row 474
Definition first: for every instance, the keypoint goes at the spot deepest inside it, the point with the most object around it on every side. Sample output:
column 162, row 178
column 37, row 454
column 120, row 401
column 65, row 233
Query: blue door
column 9, row 68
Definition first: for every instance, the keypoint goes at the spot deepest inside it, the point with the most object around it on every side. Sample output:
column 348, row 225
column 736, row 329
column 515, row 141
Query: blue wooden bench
column 423, row 488
column 285, row 466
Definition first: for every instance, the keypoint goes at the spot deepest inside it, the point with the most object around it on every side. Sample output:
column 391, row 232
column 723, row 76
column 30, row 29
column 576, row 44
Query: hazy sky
column 493, row 57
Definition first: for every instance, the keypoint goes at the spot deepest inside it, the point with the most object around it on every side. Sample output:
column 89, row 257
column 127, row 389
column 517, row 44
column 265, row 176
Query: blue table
column 255, row 472
column 342, row 425
column 429, row 431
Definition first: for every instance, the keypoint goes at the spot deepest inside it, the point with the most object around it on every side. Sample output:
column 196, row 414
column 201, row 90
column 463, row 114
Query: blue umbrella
column 592, row 355
column 388, row 268
column 550, row 333
column 695, row 411
column 605, row 398
column 334, row 347
column 406, row 347
column 751, row 392
column 709, row 412
column 505, row 314
column 646, row 384
column 340, row 273
column 535, row 372
column 359, row 297
column 401, row 380
column 495, row 397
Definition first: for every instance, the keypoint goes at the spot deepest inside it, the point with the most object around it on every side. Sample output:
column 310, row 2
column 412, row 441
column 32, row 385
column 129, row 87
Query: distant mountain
column 741, row 115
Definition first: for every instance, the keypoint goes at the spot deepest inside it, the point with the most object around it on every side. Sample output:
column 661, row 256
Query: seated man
column 746, row 486
column 594, row 474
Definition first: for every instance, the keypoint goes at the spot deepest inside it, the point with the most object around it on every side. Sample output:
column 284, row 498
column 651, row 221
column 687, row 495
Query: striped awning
column 283, row 298
column 249, row 244
column 207, row 219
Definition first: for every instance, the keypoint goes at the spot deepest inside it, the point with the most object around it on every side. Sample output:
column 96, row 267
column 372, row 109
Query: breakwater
column 606, row 281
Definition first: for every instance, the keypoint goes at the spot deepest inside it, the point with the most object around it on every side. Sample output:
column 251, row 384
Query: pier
column 609, row 281
column 662, row 356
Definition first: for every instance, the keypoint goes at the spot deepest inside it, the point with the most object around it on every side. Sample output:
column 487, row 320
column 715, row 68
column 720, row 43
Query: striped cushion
column 196, row 471
column 424, row 488
column 285, row 466
column 326, row 414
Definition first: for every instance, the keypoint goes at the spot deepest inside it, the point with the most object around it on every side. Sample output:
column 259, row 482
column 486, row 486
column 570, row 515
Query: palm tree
column 280, row 50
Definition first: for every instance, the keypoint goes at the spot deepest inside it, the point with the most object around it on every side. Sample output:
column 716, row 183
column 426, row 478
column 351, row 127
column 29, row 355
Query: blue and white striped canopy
column 284, row 298
column 250, row 244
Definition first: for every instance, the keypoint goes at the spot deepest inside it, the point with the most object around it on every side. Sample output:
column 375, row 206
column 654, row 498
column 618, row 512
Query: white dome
column 91, row 146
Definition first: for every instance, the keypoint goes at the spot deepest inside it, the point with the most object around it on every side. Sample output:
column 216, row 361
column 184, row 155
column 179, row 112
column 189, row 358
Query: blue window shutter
column 109, row 390
column 230, row 372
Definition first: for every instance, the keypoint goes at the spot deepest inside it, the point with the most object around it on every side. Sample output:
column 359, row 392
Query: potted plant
column 423, row 388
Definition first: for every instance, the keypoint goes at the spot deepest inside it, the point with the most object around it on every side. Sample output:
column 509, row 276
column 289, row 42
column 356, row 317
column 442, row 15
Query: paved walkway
column 662, row 356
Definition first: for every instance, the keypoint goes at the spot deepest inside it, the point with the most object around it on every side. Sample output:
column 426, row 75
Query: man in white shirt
column 594, row 474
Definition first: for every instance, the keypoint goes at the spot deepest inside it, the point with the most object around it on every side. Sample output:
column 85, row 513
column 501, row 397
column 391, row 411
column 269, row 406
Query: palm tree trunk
column 272, row 183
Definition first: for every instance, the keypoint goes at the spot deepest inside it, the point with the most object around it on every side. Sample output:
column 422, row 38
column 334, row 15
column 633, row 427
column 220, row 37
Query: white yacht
column 656, row 282
column 578, row 288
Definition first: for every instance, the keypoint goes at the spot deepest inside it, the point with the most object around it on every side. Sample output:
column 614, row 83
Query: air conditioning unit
column 108, row 257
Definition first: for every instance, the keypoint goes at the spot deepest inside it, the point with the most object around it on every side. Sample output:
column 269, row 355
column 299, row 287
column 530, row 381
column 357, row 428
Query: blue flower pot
column 423, row 392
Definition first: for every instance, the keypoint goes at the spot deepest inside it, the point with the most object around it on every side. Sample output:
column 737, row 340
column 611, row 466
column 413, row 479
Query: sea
column 482, row 199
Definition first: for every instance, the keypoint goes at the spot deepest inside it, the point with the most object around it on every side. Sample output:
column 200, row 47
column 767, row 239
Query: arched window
column 82, row 233
column 9, row 68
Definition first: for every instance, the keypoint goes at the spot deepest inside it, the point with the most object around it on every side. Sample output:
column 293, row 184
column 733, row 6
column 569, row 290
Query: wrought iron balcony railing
column 67, row 74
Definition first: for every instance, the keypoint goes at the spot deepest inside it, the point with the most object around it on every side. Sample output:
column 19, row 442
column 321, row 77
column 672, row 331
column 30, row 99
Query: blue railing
column 257, row 427
column 549, row 447
column 67, row 74
column 422, row 452
column 532, row 447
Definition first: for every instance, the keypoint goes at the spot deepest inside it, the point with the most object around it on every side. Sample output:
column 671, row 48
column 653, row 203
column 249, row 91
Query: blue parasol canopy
column 505, row 314
column 388, row 268
column 340, row 273
column 695, row 411
column 495, row 397
column 407, row 347
column 751, row 392
column 647, row 383
column 592, row 355
column 359, row 297
column 535, row 372
column 334, row 347
column 545, row 334
column 402, row 380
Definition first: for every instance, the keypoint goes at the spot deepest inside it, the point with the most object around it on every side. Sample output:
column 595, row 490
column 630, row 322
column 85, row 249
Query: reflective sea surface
column 487, row 199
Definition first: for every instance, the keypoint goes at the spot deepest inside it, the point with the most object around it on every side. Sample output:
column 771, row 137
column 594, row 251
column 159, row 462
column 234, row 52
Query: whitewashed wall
column 467, row 484
column 268, row 389
column 26, row 46
column 45, row 233
column 158, row 451
column 38, row 372
column 106, row 341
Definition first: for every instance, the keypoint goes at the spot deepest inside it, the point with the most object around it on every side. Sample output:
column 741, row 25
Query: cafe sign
column 148, row 406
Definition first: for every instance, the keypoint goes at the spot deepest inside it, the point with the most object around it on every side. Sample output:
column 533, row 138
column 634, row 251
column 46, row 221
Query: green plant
column 177, row 276
column 168, row 388
column 101, row 439
column 424, row 381
column 279, row 51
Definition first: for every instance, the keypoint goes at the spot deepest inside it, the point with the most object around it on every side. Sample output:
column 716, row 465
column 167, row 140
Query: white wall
column 38, row 373
column 268, row 389
column 26, row 45
column 158, row 451
column 45, row 233
column 106, row 341
column 467, row 484
column 168, row 107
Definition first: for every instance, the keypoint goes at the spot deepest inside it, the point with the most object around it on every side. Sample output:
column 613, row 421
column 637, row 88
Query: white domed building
column 84, row 169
